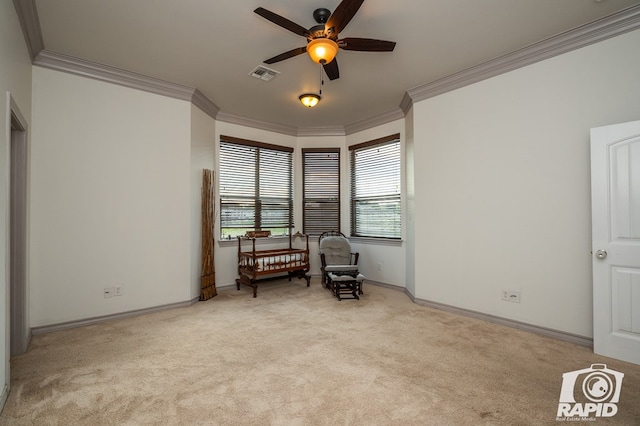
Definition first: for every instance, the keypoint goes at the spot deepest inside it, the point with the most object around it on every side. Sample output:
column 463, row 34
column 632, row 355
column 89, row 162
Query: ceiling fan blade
column 342, row 16
column 331, row 69
column 286, row 55
column 283, row 22
column 366, row 44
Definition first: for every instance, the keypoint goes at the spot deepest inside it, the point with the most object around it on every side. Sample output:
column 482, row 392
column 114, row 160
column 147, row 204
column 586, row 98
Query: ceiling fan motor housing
column 316, row 32
column 321, row 15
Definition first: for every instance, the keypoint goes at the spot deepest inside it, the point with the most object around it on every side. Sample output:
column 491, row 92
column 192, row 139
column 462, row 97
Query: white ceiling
column 213, row 45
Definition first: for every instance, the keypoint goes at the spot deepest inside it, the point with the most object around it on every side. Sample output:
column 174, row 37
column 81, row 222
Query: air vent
column 263, row 73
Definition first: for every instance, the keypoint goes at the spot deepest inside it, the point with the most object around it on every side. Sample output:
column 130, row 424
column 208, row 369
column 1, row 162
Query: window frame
column 258, row 182
column 330, row 227
column 397, row 196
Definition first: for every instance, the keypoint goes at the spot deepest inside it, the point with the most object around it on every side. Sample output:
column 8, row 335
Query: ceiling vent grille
column 263, row 73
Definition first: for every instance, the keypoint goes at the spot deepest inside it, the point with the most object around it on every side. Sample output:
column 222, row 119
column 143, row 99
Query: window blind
column 376, row 209
column 321, row 190
column 256, row 187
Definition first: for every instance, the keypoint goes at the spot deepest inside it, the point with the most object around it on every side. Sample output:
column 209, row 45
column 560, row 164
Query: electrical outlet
column 108, row 292
column 379, row 267
column 117, row 291
column 511, row 296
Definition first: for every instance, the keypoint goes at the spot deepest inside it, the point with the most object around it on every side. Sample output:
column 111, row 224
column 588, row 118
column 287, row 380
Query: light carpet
column 297, row 356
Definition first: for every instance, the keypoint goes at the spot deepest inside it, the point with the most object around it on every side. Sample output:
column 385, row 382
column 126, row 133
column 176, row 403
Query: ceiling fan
column 322, row 39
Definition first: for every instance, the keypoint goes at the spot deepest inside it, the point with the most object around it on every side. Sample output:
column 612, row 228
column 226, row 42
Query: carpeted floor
column 297, row 356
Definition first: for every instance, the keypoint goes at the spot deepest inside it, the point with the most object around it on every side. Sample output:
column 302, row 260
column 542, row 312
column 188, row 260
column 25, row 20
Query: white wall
column 410, row 212
column 203, row 142
column 15, row 79
column 502, row 189
column 110, row 197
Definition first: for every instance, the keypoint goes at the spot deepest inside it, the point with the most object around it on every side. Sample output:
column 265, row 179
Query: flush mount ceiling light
column 322, row 50
column 309, row 99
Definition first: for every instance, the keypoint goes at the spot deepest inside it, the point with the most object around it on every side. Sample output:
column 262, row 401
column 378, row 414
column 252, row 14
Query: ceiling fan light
column 309, row 99
column 322, row 50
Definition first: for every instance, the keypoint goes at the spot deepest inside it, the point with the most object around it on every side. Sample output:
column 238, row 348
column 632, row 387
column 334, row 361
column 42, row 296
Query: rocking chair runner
column 339, row 265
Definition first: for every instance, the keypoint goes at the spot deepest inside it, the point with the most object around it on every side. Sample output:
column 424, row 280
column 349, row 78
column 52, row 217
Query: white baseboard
column 94, row 320
column 385, row 285
column 3, row 397
column 548, row 332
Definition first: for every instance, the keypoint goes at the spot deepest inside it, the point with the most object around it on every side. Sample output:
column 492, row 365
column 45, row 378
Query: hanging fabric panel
column 208, row 277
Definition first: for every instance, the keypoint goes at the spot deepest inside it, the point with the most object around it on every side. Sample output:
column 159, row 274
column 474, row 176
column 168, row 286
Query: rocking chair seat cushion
column 338, row 278
column 336, row 250
column 341, row 268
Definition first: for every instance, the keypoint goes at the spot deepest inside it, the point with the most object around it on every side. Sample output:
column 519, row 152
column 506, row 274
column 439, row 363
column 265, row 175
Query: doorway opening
column 18, row 235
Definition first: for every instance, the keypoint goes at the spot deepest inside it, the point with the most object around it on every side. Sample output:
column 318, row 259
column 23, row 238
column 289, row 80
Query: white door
column 615, row 203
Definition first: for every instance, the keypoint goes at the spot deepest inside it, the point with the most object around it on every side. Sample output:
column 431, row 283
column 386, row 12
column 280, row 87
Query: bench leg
column 247, row 281
column 349, row 287
column 354, row 287
column 300, row 273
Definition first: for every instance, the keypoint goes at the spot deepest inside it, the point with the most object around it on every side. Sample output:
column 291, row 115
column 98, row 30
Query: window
column 375, row 188
column 321, row 190
column 256, row 181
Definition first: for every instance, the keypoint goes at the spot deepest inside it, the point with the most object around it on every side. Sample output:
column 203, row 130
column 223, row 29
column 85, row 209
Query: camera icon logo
column 593, row 391
column 598, row 387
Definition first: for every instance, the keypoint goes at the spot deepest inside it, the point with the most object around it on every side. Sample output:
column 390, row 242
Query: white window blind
column 375, row 188
column 321, row 190
column 256, row 187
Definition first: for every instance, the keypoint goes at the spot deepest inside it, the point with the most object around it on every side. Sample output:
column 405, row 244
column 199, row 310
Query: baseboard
column 225, row 287
column 556, row 334
column 3, row 397
column 385, row 285
column 95, row 320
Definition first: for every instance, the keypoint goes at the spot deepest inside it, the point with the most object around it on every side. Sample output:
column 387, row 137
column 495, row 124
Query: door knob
column 601, row 254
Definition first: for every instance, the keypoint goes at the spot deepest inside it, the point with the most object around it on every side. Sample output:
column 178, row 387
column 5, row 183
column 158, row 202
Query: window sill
column 377, row 241
column 259, row 241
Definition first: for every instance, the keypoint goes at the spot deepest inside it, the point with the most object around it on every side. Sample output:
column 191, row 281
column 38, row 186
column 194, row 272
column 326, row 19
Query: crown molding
column 376, row 120
column 610, row 26
column 28, row 17
column 205, row 104
column 278, row 128
column 256, row 124
column 109, row 74
column 321, row 131
column 406, row 103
